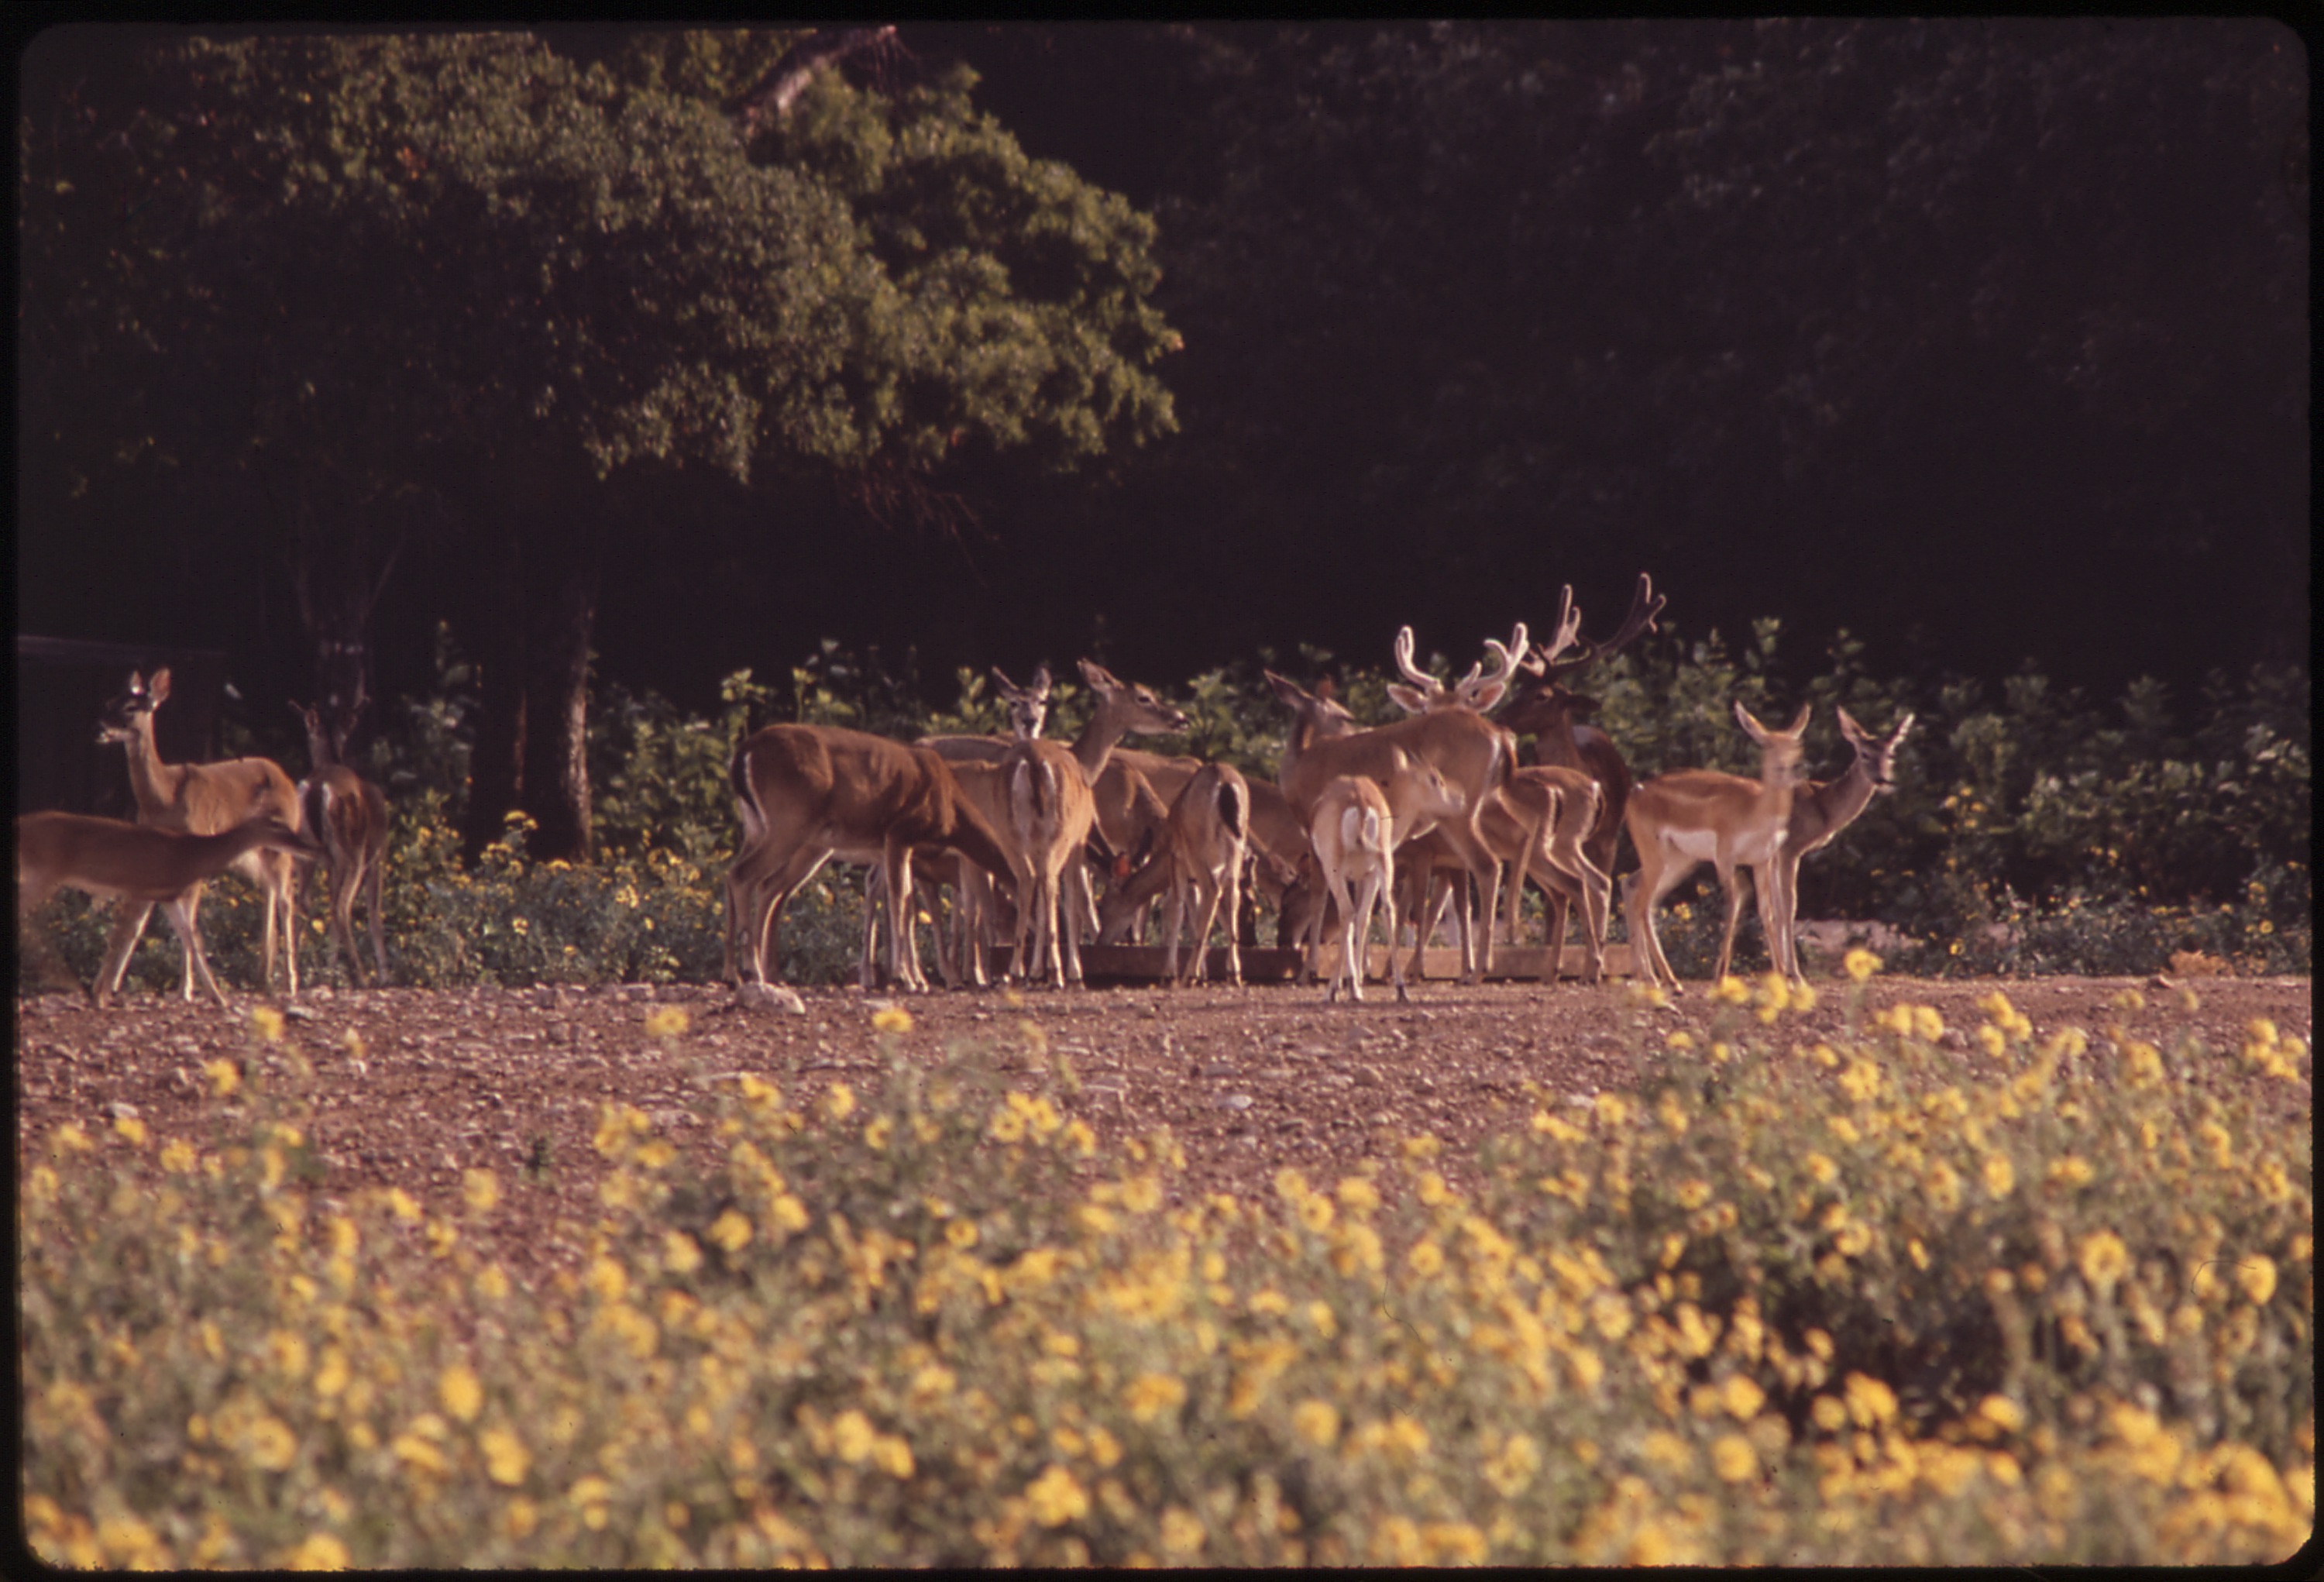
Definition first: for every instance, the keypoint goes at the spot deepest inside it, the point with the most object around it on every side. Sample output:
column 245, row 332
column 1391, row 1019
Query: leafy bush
column 1907, row 1298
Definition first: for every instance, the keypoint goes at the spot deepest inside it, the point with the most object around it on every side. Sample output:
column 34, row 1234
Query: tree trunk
column 496, row 764
column 556, row 776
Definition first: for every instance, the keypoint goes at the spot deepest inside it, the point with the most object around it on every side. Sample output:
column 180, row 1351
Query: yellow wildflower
column 1733, row 1460
column 1315, row 1421
column 2104, row 1260
column 852, row 1437
column 1057, row 1497
column 131, row 1128
column 1182, row 1531
column 506, row 1460
column 666, row 1022
column 461, row 1392
column 731, row 1231
column 891, row 1018
column 320, row 1551
column 2256, row 1275
column 1510, row 1468
column 1149, row 1395
column 267, row 1022
column 481, row 1188
column 1859, row 964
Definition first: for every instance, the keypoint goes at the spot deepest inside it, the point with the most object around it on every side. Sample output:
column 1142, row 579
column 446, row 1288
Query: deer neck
column 1097, row 740
column 1778, row 790
column 157, row 786
column 1819, row 812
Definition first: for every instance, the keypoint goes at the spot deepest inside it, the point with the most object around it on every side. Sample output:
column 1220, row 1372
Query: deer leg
column 1081, row 901
column 128, row 924
column 1232, row 899
column 1731, row 892
column 374, row 876
column 767, row 897
column 181, row 919
column 1388, row 900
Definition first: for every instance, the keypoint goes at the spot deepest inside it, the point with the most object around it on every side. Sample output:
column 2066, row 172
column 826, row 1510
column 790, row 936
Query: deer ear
column 1799, row 725
column 1751, row 727
column 1486, row 694
column 1849, row 728
column 1097, row 676
column 1041, row 680
column 1288, row 691
column 1411, row 699
column 1001, row 676
column 159, row 685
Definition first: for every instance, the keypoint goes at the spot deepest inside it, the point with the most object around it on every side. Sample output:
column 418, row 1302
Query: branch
column 782, row 86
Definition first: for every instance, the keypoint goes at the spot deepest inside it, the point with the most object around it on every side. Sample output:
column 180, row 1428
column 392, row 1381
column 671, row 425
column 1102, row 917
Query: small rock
column 771, row 997
column 298, row 1013
column 121, row 1110
column 1235, row 1101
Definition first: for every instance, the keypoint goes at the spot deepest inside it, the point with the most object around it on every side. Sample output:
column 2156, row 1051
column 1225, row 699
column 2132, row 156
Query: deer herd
column 1432, row 811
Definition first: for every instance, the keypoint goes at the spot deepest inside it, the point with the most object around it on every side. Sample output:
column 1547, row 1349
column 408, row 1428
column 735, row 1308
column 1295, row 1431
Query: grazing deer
column 350, row 815
column 1475, row 755
column 204, row 798
column 808, row 793
column 1820, row 810
column 143, row 866
column 1205, row 841
column 1692, row 816
column 1357, row 825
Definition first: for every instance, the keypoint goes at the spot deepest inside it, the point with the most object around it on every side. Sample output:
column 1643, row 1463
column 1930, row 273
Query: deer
column 1545, row 708
column 1205, row 843
column 1126, row 814
column 1053, row 808
column 350, row 815
column 1690, row 816
column 964, row 946
column 1475, row 755
column 1531, row 815
column 806, row 794
column 1356, row 825
column 143, row 867
column 1538, row 823
column 204, row 798
column 1820, row 810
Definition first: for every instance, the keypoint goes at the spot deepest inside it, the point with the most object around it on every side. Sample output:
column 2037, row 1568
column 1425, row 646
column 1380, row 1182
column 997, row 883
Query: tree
column 467, row 274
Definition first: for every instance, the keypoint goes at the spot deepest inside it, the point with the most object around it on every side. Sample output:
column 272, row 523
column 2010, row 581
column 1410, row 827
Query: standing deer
column 143, row 866
column 203, row 799
column 1356, row 824
column 1475, row 755
column 808, row 793
column 1203, row 841
column 350, row 815
column 1692, row 816
column 1820, row 810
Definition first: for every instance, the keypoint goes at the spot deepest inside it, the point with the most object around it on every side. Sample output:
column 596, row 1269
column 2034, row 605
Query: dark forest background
column 1984, row 341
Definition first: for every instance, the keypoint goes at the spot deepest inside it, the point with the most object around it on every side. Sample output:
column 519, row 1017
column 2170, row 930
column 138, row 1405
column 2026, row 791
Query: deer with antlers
column 806, row 794
column 204, row 798
column 1691, row 815
column 350, row 815
column 1554, row 716
column 1475, row 755
column 143, row 867
column 1820, row 810
column 1534, row 822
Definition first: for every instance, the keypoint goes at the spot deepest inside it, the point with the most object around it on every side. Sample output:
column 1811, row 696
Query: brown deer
column 1356, row 827
column 1546, row 710
column 1692, row 816
column 143, row 867
column 1476, row 756
column 204, row 798
column 350, row 815
column 1820, row 810
column 808, row 793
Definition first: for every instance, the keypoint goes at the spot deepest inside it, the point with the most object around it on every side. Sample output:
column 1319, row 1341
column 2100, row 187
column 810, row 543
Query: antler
column 1412, row 673
column 1645, row 604
column 1509, row 657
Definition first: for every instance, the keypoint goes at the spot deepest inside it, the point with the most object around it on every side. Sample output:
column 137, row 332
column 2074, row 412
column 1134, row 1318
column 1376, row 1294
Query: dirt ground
column 1248, row 1079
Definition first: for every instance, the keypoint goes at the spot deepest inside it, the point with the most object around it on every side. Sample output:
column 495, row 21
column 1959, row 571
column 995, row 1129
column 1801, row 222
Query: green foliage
column 1881, row 1302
